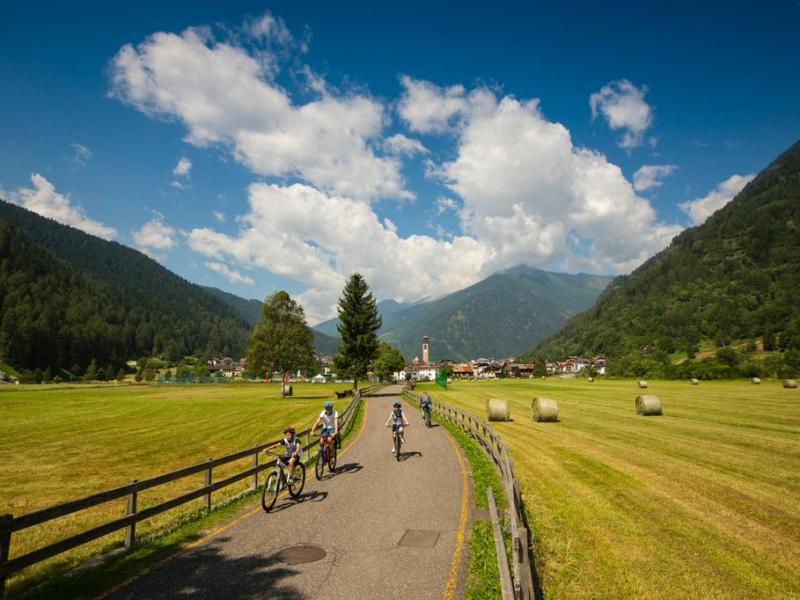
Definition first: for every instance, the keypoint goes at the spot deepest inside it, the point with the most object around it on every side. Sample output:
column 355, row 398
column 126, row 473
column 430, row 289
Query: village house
column 419, row 369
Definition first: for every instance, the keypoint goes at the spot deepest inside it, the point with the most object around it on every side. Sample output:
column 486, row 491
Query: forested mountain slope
column 734, row 278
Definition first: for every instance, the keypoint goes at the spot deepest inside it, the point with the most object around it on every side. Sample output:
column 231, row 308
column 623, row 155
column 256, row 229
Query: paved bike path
column 358, row 517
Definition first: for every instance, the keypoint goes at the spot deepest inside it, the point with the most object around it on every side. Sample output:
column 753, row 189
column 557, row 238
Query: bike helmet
column 289, row 429
column 329, row 404
column 396, row 403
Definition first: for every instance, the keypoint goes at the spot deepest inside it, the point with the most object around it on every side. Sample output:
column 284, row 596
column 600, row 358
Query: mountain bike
column 278, row 480
column 398, row 441
column 326, row 456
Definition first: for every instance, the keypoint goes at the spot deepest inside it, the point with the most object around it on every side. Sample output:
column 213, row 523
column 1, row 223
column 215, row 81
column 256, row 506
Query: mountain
column 733, row 279
column 128, row 304
column 497, row 317
column 386, row 308
column 251, row 310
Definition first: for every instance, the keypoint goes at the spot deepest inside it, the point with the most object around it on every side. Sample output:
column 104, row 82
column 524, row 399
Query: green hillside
column 499, row 316
column 68, row 297
column 730, row 284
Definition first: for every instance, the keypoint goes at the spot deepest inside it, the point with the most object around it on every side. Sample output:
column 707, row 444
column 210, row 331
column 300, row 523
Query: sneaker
column 392, row 449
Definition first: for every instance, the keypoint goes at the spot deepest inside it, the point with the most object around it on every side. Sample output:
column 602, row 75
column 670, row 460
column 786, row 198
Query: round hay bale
column 756, row 380
column 591, row 379
column 497, row 409
column 695, row 381
column 544, row 410
column 289, row 390
column 790, row 384
column 642, row 384
column 648, row 406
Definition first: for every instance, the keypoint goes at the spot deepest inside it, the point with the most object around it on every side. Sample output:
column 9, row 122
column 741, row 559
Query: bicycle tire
column 319, row 467
column 332, row 458
column 299, row 481
column 397, row 444
column 270, row 491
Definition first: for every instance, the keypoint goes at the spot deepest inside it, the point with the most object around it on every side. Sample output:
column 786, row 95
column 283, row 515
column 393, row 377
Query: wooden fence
column 10, row 524
column 519, row 580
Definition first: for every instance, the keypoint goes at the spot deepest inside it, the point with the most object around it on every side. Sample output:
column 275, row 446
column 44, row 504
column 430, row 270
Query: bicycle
column 426, row 413
column 398, row 441
column 277, row 481
column 326, row 456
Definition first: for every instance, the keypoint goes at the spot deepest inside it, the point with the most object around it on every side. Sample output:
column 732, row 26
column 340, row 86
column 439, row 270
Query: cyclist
column 330, row 425
column 293, row 450
column 425, row 404
column 397, row 418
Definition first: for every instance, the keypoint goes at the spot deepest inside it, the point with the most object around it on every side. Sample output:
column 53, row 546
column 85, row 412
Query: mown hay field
column 702, row 502
column 59, row 443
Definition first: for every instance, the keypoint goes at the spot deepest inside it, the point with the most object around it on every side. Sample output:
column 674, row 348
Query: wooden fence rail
column 10, row 524
column 521, row 577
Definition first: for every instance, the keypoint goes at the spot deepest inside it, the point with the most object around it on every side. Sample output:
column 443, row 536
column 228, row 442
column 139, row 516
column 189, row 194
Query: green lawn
column 703, row 502
column 63, row 442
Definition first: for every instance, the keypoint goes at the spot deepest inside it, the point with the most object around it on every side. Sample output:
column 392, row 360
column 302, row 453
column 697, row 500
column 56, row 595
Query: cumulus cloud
column 700, row 209
column 403, row 146
column 80, row 154
column 651, row 176
column 443, row 204
column 155, row 234
column 43, row 199
column 624, row 107
column 428, row 108
column 183, row 168
column 231, row 275
column 225, row 94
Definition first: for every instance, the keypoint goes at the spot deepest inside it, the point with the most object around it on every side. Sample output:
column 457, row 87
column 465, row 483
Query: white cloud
column 700, row 209
column 219, row 216
column 428, row 108
column 183, row 168
column 443, row 204
column 624, row 107
column 651, row 176
column 46, row 201
column 403, row 146
column 154, row 234
column 225, row 95
column 80, row 154
column 231, row 275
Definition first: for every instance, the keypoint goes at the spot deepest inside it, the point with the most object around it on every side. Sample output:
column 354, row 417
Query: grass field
column 59, row 443
column 703, row 502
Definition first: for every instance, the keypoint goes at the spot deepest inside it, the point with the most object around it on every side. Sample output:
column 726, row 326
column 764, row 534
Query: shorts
column 396, row 425
column 326, row 431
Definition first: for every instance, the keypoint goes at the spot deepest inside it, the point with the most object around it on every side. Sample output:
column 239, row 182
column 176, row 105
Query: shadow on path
column 207, row 573
column 346, row 468
column 289, row 502
column 404, row 456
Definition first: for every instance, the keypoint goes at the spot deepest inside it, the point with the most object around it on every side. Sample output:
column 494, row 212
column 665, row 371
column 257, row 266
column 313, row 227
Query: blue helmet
column 329, row 404
column 396, row 403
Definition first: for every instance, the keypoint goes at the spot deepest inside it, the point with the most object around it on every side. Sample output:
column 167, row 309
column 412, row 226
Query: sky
column 285, row 145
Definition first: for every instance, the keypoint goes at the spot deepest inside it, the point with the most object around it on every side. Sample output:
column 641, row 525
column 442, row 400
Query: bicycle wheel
column 272, row 487
column 319, row 467
column 397, row 446
column 332, row 458
column 298, row 481
column 427, row 419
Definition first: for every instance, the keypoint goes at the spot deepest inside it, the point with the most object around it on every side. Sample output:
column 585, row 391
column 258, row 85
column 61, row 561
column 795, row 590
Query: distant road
column 358, row 517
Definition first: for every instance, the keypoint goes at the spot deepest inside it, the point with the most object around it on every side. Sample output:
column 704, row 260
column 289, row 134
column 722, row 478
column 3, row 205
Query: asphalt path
column 388, row 529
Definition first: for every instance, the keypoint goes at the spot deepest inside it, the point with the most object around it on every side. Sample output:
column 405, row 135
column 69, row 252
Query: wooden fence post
column 255, row 475
column 5, row 548
column 506, row 585
column 208, row 483
column 130, row 532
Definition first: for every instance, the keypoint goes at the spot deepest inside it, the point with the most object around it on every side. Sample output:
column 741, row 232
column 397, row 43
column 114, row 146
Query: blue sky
column 254, row 146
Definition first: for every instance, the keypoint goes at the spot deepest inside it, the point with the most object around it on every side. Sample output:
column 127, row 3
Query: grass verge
column 105, row 572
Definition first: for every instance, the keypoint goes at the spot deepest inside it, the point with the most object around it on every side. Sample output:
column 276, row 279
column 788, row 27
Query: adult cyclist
column 292, row 450
column 329, row 418
column 425, row 404
column 397, row 419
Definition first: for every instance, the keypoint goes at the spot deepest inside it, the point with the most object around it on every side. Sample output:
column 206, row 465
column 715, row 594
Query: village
column 423, row 369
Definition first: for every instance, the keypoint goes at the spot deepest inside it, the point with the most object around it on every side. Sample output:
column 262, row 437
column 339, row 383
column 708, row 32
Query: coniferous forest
column 730, row 285
column 69, row 298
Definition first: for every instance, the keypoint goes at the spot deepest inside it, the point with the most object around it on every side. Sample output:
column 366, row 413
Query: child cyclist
column 397, row 419
column 292, row 450
column 329, row 418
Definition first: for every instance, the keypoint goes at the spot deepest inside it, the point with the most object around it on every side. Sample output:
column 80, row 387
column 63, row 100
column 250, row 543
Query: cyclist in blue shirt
column 425, row 404
column 397, row 418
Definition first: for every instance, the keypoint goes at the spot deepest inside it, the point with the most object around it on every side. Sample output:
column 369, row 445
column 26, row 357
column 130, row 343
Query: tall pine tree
column 282, row 341
column 359, row 322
